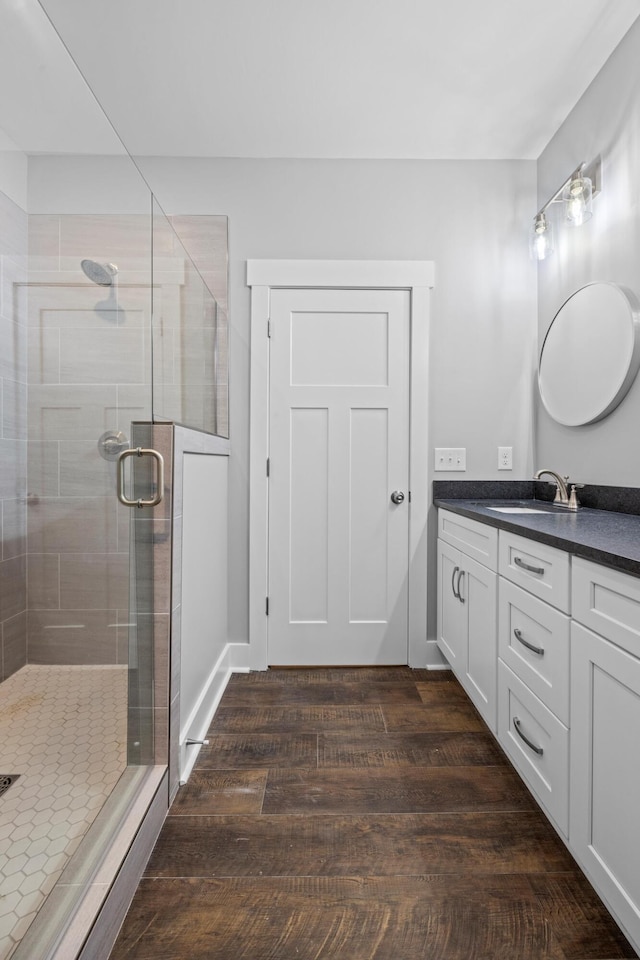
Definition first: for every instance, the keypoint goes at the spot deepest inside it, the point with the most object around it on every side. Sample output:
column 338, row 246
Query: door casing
column 416, row 276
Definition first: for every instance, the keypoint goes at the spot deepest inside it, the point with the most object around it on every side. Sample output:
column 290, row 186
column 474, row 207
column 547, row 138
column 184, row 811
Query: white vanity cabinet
column 467, row 599
column 533, row 669
column 567, row 663
column 605, row 730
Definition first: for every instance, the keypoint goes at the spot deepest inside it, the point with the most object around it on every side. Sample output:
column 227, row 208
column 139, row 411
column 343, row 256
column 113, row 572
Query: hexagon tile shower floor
column 63, row 729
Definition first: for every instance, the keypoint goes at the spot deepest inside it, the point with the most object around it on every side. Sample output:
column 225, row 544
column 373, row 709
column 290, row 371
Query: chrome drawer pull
column 538, row 750
column 460, row 576
column 519, row 562
column 453, row 576
column 525, row 643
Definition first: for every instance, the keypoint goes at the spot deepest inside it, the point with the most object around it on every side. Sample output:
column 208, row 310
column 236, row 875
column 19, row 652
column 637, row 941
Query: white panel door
column 339, row 447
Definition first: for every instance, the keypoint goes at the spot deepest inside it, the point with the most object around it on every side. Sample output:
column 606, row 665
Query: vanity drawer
column 524, row 622
column 477, row 540
column 542, row 570
column 608, row 602
column 543, row 761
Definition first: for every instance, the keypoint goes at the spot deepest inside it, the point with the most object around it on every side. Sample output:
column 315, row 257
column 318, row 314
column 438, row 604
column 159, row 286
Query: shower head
column 101, row 273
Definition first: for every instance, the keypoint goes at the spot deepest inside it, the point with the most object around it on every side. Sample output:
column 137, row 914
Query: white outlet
column 450, row 458
column 505, row 458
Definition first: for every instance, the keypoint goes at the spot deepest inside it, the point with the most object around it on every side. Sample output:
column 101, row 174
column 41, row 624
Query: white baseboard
column 233, row 659
column 435, row 660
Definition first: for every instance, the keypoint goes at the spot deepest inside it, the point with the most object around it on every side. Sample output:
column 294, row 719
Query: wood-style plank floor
column 360, row 814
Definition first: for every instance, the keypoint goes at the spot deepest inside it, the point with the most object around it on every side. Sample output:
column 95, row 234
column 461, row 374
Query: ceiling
column 423, row 79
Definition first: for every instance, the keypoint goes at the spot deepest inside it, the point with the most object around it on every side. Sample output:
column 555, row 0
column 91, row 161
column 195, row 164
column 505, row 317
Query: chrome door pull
column 141, row 452
column 460, row 576
column 519, row 562
column 453, row 587
column 529, row 743
column 397, row 496
column 525, row 643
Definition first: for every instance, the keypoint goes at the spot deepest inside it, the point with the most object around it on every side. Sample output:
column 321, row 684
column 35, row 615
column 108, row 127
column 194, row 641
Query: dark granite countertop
column 604, row 536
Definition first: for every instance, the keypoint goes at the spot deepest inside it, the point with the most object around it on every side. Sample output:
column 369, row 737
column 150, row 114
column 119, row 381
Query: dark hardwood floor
column 360, row 814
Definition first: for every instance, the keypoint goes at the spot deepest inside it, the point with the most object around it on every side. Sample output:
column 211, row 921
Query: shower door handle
column 141, row 452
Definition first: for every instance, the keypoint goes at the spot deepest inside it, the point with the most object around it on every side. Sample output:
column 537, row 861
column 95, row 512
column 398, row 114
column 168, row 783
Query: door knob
column 397, row 496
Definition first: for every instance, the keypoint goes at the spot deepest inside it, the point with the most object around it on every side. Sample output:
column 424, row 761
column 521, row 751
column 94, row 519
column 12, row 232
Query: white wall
column 86, row 185
column 470, row 218
column 204, row 584
column 13, row 171
column 605, row 122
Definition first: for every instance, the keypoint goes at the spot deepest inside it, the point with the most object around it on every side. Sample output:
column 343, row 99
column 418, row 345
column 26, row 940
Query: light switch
column 450, row 458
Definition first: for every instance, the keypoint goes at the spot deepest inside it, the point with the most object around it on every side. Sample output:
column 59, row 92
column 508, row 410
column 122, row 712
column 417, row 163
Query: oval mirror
column 591, row 354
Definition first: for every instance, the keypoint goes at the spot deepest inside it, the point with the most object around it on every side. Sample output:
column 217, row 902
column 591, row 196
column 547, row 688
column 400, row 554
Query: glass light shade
column 578, row 199
column 541, row 238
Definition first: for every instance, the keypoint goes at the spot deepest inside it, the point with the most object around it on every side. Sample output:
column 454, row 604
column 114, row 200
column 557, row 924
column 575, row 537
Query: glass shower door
column 86, row 683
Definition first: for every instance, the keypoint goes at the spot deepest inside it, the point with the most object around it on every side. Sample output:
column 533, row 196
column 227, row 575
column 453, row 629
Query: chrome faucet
column 562, row 493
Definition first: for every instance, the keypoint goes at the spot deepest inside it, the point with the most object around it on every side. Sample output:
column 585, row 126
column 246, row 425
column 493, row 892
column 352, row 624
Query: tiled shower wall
column 89, row 370
column 13, row 435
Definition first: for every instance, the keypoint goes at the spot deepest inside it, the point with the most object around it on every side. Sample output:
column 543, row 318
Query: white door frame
column 417, row 276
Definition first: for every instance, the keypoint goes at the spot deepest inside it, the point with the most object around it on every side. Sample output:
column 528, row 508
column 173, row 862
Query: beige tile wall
column 89, row 363
column 153, row 546
column 13, row 436
column 88, row 356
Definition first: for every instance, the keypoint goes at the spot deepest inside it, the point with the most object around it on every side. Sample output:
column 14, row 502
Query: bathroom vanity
column 539, row 618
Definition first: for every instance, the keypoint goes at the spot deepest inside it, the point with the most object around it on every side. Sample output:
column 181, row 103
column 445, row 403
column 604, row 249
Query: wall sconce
column 541, row 239
column 576, row 195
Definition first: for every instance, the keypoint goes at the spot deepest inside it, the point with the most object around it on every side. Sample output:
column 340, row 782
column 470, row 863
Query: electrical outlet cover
column 505, row 458
column 450, row 458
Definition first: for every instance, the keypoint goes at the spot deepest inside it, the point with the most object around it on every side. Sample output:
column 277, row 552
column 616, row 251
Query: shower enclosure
column 109, row 330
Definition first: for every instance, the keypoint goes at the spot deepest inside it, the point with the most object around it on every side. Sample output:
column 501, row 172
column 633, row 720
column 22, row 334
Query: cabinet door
column 604, row 826
column 478, row 589
column 452, row 614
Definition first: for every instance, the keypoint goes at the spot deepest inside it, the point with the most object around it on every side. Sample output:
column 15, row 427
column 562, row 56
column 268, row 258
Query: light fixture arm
column 593, row 171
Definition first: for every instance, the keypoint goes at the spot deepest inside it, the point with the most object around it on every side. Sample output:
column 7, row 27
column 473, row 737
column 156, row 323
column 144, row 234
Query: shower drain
column 6, row 779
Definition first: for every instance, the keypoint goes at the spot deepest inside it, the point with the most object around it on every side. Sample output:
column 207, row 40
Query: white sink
column 518, row 510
